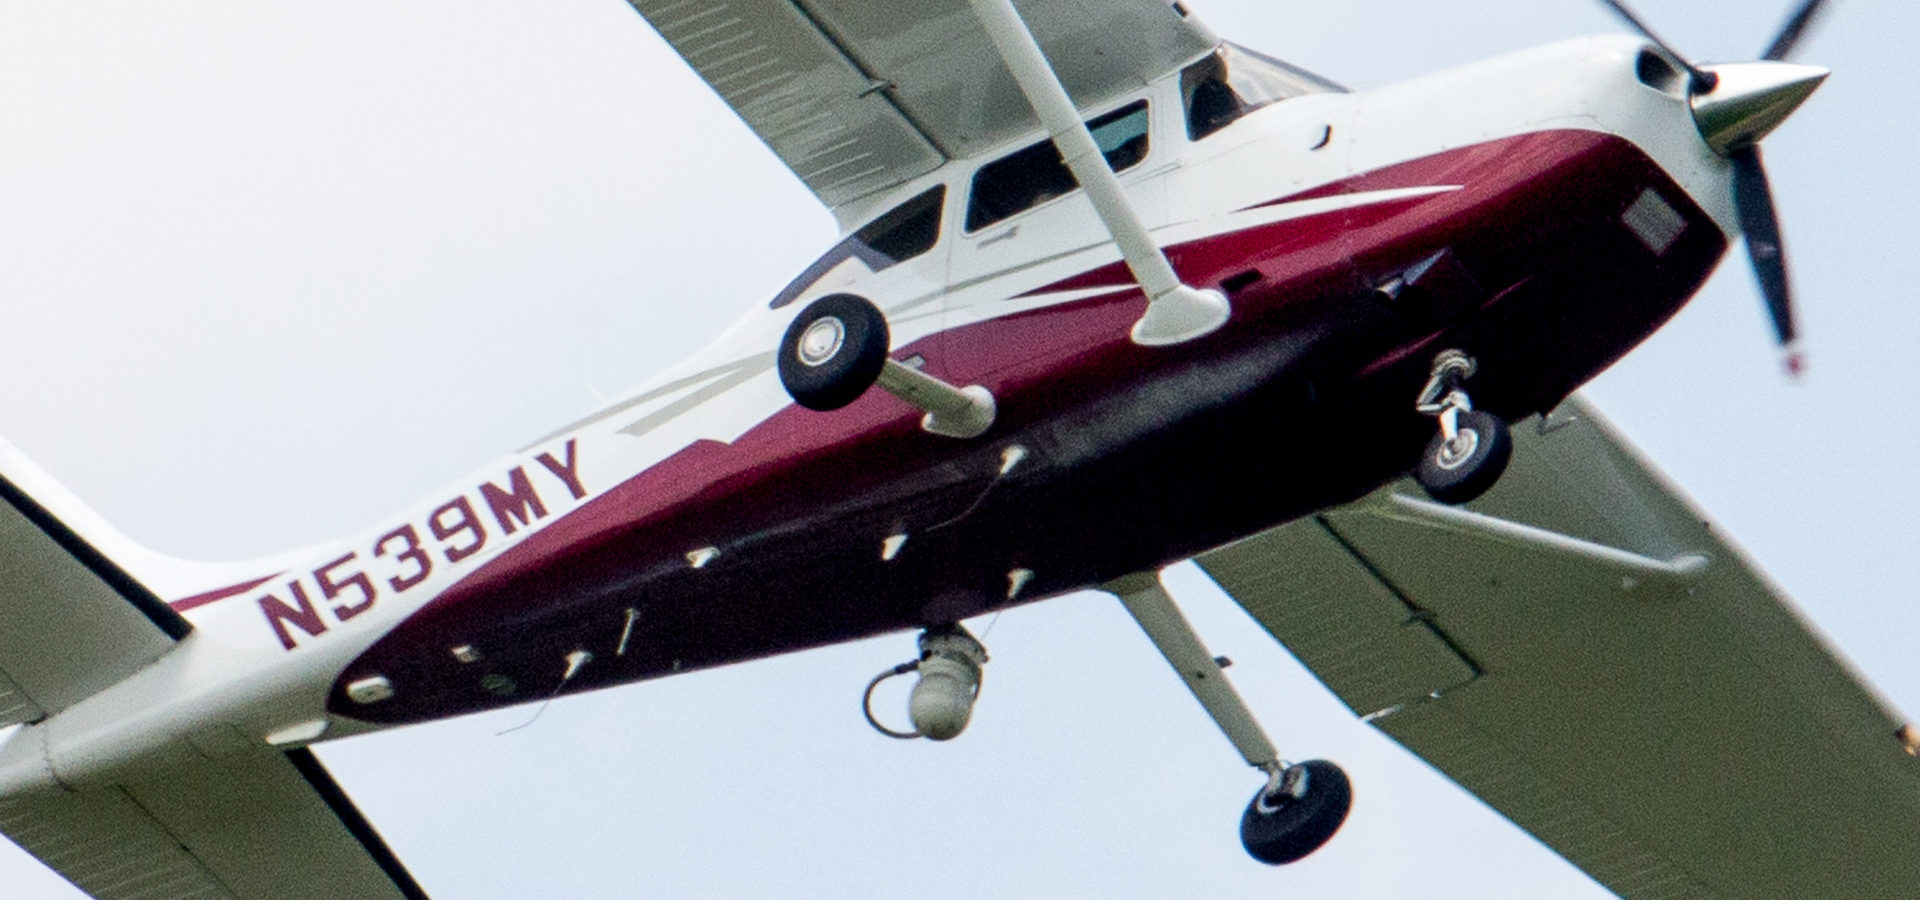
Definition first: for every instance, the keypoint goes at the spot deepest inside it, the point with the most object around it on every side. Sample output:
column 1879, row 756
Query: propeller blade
column 1791, row 32
column 1753, row 200
column 1703, row 81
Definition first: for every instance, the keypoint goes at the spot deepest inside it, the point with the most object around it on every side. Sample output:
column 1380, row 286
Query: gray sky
column 271, row 270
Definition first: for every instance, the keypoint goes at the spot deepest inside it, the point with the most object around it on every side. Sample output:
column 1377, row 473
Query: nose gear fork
column 1473, row 446
column 1444, row 397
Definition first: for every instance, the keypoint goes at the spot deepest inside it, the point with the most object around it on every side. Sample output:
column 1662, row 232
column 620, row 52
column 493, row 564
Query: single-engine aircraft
column 1112, row 293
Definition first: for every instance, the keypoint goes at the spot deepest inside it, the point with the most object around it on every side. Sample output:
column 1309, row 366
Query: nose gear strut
column 1301, row 805
column 1473, row 446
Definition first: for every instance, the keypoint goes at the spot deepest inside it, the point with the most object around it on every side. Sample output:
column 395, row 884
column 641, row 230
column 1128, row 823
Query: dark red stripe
column 198, row 600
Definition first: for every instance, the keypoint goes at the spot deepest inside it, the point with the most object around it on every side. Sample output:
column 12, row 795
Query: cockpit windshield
column 1234, row 81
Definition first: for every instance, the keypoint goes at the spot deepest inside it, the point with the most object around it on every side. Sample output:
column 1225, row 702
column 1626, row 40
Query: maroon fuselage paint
column 1135, row 457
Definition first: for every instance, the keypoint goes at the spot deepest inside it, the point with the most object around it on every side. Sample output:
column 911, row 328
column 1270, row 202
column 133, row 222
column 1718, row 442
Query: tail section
column 83, row 608
column 157, row 584
column 77, row 619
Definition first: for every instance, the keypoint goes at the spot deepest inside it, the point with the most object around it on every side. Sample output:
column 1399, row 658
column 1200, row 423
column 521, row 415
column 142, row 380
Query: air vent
column 1656, row 72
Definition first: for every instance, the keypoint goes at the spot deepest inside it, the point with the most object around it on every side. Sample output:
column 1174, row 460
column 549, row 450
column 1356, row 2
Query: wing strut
column 1175, row 312
column 1148, row 601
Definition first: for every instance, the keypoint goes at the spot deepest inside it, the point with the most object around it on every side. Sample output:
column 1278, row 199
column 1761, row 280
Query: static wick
column 575, row 661
column 1009, row 457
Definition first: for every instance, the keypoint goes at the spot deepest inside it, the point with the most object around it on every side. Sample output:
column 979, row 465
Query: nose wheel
column 1473, row 446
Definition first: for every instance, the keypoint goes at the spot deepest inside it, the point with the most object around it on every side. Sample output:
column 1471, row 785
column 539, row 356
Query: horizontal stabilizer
column 75, row 621
column 259, row 827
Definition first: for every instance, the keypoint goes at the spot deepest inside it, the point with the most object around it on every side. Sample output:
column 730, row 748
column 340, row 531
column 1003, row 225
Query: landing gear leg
column 1301, row 805
column 1473, row 446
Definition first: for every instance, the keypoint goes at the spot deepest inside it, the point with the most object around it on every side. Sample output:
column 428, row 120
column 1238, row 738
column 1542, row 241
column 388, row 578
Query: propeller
column 1736, row 106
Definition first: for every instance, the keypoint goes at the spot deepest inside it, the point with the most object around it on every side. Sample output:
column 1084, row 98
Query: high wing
column 1582, row 651
column 857, row 96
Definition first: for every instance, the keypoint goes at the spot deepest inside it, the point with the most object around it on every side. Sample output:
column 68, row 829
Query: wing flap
column 1675, row 736
column 259, row 827
column 1339, row 618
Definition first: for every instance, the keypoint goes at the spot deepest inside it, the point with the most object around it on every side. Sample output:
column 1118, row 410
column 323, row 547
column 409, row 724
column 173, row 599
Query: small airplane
column 1113, row 293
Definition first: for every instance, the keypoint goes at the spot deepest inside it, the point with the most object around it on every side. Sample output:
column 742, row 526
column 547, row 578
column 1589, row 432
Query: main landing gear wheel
column 833, row 351
column 1290, row 819
column 1458, row 469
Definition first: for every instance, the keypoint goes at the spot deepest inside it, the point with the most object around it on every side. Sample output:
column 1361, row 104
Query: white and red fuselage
column 1569, row 208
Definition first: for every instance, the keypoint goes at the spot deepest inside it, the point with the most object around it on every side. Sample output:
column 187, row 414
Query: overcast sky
column 270, row 270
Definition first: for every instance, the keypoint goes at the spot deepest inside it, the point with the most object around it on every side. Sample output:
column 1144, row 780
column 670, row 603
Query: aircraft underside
column 1200, row 304
column 1559, row 251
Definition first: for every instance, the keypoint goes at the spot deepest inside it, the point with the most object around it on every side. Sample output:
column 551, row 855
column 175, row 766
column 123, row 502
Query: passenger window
column 1036, row 174
column 902, row 233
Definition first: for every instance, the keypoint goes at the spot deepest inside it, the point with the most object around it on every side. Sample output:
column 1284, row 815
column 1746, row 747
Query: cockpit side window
column 907, row 230
column 898, row 235
column 1035, row 174
column 1234, row 81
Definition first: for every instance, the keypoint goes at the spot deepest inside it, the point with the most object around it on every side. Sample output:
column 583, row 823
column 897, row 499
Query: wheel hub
column 1456, row 452
column 822, row 340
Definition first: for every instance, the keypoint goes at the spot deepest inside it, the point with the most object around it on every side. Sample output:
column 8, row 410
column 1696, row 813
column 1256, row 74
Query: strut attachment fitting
column 1175, row 312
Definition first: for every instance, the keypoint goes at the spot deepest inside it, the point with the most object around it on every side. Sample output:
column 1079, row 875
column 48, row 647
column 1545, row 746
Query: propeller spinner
column 1735, row 106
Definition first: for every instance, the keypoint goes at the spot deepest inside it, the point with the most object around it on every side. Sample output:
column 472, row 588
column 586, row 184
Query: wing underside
column 857, row 97
column 1584, row 653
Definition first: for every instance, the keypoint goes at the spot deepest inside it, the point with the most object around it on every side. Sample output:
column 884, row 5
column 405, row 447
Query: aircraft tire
column 833, row 351
column 1277, row 834
column 1454, row 478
